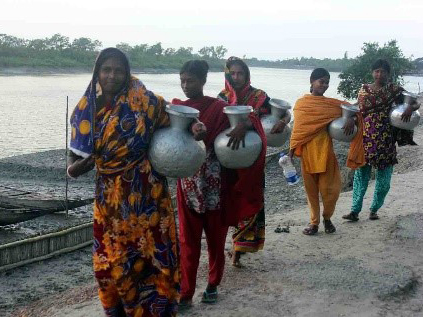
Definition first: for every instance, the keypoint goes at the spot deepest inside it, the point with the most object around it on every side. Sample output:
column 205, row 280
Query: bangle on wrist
column 67, row 172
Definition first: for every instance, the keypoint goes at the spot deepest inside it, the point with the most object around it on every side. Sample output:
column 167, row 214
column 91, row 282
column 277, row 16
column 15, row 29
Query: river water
column 33, row 108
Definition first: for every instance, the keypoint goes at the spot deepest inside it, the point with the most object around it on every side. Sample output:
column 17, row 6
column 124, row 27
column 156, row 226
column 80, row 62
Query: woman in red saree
column 249, row 233
column 135, row 250
column 214, row 197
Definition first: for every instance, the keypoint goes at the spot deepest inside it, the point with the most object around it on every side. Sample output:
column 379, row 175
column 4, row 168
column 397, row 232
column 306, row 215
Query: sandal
column 209, row 297
column 373, row 216
column 311, row 230
column 329, row 227
column 352, row 216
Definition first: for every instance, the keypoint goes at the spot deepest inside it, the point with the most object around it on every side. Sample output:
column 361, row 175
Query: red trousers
column 191, row 225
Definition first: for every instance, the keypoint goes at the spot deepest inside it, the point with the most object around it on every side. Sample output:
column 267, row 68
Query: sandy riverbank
column 365, row 269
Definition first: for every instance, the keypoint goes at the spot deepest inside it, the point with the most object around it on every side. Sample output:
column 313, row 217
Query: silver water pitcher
column 278, row 109
column 173, row 150
column 335, row 127
column 243, row 156
column 398, row 110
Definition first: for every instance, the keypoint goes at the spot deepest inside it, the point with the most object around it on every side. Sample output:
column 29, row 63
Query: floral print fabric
column 135, row 246
column 378, row 138
column 202, row 190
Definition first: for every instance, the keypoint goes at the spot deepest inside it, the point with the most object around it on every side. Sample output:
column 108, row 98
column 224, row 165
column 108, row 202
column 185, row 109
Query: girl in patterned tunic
column 214, row 197
column 375, row 101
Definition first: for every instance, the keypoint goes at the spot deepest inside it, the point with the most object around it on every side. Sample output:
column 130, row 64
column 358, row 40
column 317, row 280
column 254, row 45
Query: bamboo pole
column 45, row 257
column 66, row 158
column 46, row 236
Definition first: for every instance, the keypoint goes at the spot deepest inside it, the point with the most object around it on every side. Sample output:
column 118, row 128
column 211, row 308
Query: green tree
column 37, row 44
column 156, row 49
column 85, row 44
column 206, row 51
column 124, row 47
column 140, row 49
column 220, row 52
column 11, row 41
column 212, row 52
column 184, row 51
column 169, row 51
column 359, row 71
column 57, row 42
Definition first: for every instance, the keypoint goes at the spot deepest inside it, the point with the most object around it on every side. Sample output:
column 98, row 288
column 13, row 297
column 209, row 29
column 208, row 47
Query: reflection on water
column 33, row 108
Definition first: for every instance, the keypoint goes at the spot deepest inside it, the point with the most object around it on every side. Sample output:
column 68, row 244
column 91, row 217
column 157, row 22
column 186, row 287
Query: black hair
column 112, row 52
column 237, row 61
column 318, row 73
column 196, row 67
column 381, row 63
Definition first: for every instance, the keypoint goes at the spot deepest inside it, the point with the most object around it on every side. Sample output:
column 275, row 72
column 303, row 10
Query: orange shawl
column 314, row 113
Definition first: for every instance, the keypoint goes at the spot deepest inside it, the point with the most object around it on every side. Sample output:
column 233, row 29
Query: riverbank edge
column 22, row 71
column 39, row 71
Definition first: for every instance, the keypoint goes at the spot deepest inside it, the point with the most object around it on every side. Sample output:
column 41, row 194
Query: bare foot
column 236, row 259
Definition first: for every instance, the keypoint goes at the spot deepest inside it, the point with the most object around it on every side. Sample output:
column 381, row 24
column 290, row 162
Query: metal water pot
column 244, row 156
column 173, row 150
column 398, row 110
column 278, row 109
column 335, row 127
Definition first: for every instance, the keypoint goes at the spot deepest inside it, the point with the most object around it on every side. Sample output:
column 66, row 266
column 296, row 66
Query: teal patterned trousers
column 361, row 182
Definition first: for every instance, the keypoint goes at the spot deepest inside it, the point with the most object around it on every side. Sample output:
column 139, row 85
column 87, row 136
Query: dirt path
column 368, row 268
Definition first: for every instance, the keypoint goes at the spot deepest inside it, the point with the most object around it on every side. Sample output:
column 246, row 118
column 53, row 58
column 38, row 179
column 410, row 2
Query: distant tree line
column 60, row 52
column 304, row 63
column 56, row 51
column 157, row 57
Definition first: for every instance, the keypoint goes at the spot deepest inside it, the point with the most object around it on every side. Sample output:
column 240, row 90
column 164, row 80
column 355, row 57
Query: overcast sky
column 265, row 29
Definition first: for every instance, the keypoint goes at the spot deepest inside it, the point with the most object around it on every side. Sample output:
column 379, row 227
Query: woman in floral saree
column 135, row 246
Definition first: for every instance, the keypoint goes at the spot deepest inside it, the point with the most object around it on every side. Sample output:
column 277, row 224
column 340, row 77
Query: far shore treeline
column 60, row 53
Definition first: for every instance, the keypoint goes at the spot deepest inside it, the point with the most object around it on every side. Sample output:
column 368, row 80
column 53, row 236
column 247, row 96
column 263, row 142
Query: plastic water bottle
column 289, row 170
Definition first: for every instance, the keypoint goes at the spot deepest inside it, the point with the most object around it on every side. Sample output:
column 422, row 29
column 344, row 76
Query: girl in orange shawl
column 214, row 197
column 135, row 250
column 311, row 141
column 249, row 233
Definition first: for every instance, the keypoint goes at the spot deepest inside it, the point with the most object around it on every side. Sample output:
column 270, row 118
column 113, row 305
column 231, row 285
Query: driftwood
column 18, row 210
column 18, row 205
column 51, row 205
column 11, row 216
